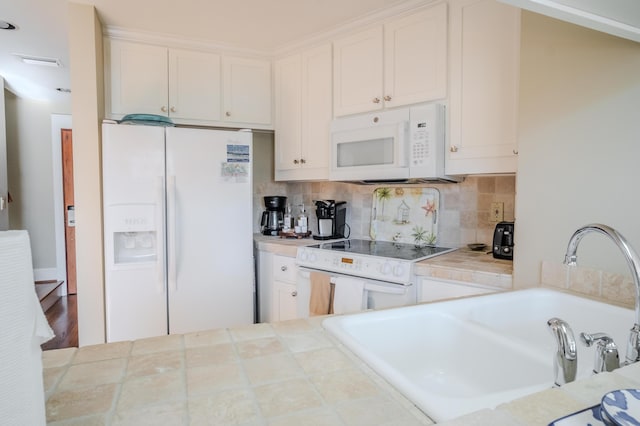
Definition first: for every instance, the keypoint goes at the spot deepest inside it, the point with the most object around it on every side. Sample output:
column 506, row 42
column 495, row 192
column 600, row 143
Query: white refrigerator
column 178, row 241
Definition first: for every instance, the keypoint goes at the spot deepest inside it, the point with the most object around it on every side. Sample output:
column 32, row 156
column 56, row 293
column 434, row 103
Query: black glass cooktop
column 387, row 249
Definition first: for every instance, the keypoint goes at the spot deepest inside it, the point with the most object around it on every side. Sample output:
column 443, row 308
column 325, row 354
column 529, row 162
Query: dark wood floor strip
column 63, row 320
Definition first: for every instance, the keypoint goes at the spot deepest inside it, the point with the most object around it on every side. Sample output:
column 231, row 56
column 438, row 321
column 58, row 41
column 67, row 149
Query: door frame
column 59, row 122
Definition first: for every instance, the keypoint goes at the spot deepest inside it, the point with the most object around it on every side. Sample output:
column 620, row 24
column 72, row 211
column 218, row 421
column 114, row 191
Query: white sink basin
column 453, row 358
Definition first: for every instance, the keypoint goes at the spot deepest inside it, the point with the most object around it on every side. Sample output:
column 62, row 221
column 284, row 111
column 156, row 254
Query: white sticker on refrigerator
column 238, row 153
column 234, row 172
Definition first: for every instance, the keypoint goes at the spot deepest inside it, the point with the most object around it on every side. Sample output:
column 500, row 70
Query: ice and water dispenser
column 134, row 233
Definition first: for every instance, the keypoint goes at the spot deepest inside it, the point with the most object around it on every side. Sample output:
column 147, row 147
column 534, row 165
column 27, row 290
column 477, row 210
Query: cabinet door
column 415, row 52
column 247, row 90
column 358, row 72
column 287, row 109
column 485, row 43
column 434, row 290
column 317, row 79
column 138, row 78
column 285, row 298
column 194, row 85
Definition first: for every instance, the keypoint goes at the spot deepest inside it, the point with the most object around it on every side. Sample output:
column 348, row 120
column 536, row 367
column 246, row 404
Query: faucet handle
column 565, row 361
column 607, row 357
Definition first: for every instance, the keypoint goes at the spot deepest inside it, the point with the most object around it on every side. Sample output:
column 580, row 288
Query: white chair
column 23, row 328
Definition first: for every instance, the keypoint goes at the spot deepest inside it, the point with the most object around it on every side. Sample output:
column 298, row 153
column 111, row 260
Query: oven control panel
column 359, row 265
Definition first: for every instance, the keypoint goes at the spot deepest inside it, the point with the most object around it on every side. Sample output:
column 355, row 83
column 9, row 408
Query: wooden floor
column 63, row 319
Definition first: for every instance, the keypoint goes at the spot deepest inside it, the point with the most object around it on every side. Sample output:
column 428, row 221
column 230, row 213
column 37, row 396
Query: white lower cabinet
column 277, row 289
column 430, row 290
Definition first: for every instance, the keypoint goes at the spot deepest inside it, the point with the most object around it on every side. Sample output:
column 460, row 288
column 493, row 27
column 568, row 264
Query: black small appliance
column 503, row 241
column 273, row 217
column 331, row 219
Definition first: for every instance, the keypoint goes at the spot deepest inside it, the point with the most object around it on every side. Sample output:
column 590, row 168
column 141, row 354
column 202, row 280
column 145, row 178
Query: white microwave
column 400, row 145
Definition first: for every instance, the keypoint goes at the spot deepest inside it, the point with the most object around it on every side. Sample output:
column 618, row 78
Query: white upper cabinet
column 303, row 84
column 247, row 90
column 191, row 87
column 483, row 106
column 358, row 72
column 138, row 77
column 194, row 85
column 415, row 51
column 401, row 62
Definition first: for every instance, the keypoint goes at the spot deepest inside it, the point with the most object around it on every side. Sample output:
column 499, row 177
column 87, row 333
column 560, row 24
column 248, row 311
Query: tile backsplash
column 605, row 286
column 464, row 207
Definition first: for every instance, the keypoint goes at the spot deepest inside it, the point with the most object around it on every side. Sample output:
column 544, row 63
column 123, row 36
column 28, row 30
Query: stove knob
column 313, row 257
column 304, row 256
column 398, row 270
column 386, row 268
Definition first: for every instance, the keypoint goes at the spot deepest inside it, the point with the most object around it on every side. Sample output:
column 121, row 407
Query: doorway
column 69, row 209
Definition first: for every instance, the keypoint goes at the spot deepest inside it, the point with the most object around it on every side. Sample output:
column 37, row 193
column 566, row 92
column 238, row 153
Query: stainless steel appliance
column 399, row 145
column 503, row 241
column 384, row 269
column 272, row 220
column 331, row 219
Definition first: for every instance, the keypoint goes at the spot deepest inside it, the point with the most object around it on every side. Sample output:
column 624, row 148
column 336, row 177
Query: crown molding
column 179, row 42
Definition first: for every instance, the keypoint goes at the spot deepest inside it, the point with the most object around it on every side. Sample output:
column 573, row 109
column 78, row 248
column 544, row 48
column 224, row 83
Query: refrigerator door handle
column 161, row 235
column 171, row 230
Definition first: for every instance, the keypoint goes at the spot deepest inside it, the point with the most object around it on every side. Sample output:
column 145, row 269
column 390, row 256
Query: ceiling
column 264, row 25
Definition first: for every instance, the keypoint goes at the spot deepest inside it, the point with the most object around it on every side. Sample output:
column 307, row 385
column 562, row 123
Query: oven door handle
column 369, row 284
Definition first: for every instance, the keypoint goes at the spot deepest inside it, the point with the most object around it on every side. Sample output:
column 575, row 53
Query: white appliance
column 177, row 230
column 384, row 268
column 400, row 145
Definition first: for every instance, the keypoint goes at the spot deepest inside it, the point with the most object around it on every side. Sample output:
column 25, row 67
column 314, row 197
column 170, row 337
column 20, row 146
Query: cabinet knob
column 228, row 114
column 294, row 293
column 515, row 152
column 453, row 148
column 387, row 98
column 376, row 100
column 296, row 161
column 303, row 161
column 283, row 268
column 172, row 109
column 163, row 109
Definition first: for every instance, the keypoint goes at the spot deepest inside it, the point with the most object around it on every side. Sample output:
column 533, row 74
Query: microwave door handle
column 401, row 152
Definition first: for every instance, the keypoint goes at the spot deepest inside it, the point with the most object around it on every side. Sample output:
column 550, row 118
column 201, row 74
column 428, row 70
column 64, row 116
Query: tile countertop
column 287, row 373
column 280, row 374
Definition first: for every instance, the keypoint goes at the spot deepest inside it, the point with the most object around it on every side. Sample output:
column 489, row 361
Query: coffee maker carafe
column 331, row 219
column 273, row 217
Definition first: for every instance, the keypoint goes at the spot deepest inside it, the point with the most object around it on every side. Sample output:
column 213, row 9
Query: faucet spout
column 633, row 261
column 565, row 362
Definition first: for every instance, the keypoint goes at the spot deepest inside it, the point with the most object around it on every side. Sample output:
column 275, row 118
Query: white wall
column 30, row 170
column 85, row 49
column 579, row 144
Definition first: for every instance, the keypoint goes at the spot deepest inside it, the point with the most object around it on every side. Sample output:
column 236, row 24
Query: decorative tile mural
column 405, row 215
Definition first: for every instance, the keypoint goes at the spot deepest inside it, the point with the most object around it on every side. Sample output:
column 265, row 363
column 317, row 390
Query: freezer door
column 209, row 229
column 133, row 200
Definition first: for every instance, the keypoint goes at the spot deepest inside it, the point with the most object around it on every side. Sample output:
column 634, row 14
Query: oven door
column 322, row 293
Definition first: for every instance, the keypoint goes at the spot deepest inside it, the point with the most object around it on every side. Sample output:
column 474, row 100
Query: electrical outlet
column 497, row 212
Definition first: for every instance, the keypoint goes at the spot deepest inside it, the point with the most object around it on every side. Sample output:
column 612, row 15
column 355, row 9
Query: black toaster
column 503, row 241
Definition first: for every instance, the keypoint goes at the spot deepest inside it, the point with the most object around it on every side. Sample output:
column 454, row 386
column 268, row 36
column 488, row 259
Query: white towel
column 24, row 329
column 349, row 295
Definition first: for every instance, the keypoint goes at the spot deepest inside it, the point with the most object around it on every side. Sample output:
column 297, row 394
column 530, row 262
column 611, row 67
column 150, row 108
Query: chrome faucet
column 565, row 362
column 633, row 344
column 607, row 358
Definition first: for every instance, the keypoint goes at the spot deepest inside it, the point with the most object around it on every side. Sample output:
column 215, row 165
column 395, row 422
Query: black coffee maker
column 273, row 217
column 331, row 219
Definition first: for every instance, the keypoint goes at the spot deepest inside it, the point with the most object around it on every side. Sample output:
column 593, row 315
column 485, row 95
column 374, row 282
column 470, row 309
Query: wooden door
column 69, row 214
